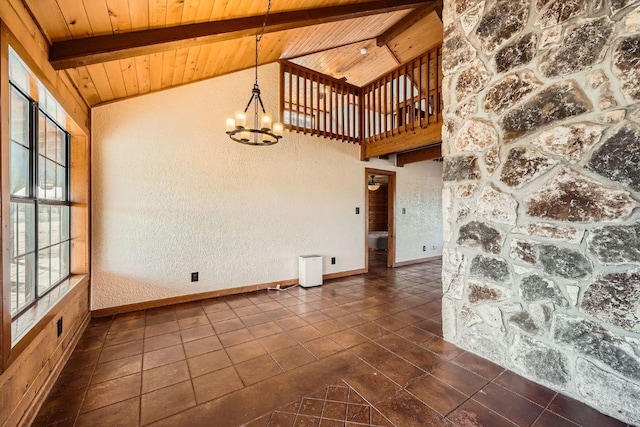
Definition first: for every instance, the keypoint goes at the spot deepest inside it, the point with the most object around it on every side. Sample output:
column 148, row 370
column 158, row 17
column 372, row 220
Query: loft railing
column 399, row 104
column 406, row 99
column 316, row 104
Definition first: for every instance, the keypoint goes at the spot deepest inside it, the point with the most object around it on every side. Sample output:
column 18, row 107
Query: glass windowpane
column 18, row 73
column 61, row 182
column 30, row 277
column 52, row 133
column 44, row 226
column 42, row 173
column 22, row 228
column 19, row 118
column 65, row 212
column 55, row 264
column 13, row 233
column 65, row 266
column 61, row 146
column 19, row 170
column 22, row 282
column 44, row 269
column 42, row 133
column 56, row 228
column 14, row 286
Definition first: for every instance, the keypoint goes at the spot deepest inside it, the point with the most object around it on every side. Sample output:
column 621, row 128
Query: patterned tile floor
column 364, row 350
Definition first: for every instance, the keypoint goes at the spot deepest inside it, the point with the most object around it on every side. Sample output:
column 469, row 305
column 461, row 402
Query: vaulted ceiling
column 114, row 49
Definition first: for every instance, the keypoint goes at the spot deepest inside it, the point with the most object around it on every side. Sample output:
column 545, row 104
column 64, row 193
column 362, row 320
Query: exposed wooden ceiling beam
column 92, row 50
column 426, row 153
column 408, row 21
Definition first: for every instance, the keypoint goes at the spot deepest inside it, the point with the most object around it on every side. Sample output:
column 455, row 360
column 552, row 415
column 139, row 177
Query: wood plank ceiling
column 329, row 46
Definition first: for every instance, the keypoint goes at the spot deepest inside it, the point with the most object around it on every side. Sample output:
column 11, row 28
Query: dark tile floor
column 361, row 351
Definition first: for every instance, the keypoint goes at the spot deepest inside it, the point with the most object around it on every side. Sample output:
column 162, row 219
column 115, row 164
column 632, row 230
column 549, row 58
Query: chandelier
column 263, row 131
column 373, row 185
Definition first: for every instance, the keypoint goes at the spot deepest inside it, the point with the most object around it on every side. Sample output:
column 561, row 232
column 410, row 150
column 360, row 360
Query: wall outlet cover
column 194, row 277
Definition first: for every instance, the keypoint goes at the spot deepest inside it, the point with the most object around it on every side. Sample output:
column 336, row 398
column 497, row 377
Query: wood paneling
column 378, row 209
column 187, row 65
column 126, row 44
column 35, row 368
column 347, row 62
column 419, row 38
column 64, row 20
column 404, row 141
column 409, row 21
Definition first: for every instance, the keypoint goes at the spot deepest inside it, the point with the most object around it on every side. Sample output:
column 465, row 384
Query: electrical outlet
column 404, row 211
column 59, row 325
column 424, row 249
column 333, row 260
column 194, row 277
column 357, row 211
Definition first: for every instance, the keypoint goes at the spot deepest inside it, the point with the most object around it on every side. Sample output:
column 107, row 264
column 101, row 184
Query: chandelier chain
column 259, row 36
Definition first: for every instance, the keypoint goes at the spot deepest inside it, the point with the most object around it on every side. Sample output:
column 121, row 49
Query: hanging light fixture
column 373, row 185
column 263, row 132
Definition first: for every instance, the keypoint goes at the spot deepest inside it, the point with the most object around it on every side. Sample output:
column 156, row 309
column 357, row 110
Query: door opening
column 380, row 188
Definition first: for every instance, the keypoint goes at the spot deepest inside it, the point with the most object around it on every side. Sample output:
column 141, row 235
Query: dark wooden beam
column 408, row 21
column 426, row 153
column 93, row 50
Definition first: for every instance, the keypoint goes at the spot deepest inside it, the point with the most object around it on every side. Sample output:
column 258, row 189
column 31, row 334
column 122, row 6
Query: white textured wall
column 172, row 194
column 419, row 190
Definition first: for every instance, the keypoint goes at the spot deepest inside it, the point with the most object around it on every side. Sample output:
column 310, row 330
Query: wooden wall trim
column 31, row 412
column 416, row 261
column 5, row 284
column 78, row 283
column 342, row 274
column 127, row 308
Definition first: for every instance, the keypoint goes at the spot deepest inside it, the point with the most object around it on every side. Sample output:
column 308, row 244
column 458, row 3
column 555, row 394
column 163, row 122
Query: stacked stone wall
column 541, row 140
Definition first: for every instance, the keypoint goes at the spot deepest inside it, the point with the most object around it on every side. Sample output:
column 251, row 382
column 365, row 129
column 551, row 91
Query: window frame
column 35, row 111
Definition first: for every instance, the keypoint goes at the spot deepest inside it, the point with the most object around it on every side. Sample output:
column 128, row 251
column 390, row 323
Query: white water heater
column 310, row 270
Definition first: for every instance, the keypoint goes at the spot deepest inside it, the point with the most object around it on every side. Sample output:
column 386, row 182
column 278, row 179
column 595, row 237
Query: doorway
column 380, row 189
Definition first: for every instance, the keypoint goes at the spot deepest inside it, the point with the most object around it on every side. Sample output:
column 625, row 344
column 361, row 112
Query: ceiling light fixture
column 363, row 51
column 373, row 185
column 263, row 131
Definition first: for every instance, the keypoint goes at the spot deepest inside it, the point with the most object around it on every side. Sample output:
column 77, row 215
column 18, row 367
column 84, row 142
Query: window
column 39, row 187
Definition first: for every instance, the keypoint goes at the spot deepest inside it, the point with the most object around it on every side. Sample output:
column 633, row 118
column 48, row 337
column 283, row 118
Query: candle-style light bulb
column 265, row 122
column 241, row 119
column 278, row 129
column 245, row 135
column 231, row 125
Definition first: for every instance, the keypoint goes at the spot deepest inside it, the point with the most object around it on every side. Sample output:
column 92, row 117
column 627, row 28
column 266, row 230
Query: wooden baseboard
column 416, row 261
column 127, row 308
column 39, row 399
column 342, row 274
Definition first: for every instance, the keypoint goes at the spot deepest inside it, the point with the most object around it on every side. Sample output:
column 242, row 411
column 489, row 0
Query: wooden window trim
column 79, row 191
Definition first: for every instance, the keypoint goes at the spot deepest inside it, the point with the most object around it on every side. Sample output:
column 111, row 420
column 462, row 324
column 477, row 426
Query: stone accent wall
column 541, row 140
